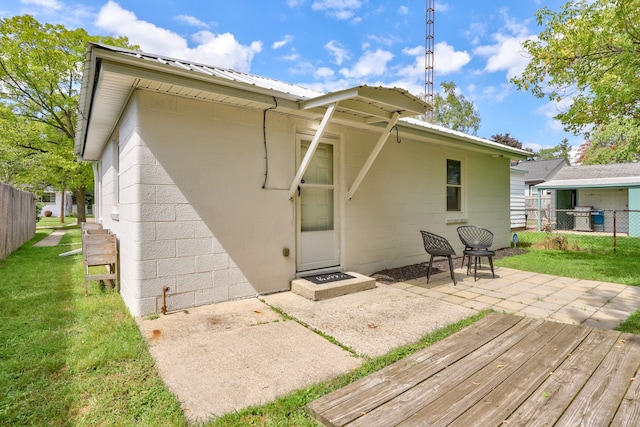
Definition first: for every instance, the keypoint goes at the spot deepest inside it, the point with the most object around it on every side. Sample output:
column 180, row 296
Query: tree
column 40, row 74
column 616, row 142
column 454, row 111
column 560, row 151
column 587, row 53
column 506, row 139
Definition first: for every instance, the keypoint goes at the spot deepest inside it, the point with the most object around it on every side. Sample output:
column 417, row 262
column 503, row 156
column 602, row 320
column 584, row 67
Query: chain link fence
column 601, row 227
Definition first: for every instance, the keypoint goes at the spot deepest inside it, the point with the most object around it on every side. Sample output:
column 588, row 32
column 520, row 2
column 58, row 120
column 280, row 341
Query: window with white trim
column 454, row 185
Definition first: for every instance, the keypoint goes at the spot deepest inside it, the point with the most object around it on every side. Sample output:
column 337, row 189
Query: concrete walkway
column 574, row 301
column 228, row 356
column 52, row 239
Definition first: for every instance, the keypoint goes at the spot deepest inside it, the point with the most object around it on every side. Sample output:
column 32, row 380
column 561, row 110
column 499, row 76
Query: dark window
column 454, row 185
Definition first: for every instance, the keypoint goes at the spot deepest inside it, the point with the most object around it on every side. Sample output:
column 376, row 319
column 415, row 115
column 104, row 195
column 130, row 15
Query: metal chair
column 476, row 241
column 437, row 246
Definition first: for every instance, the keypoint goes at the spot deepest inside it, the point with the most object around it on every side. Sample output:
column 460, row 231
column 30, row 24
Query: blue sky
column 334, row 44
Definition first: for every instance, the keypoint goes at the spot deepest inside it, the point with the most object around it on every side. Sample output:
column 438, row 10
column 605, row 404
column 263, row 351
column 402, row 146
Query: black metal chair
column 476, row 241
column 437, row 246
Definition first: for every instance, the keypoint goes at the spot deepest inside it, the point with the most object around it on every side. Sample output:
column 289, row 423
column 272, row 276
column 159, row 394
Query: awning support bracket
column 312, row 149
column 374, row 154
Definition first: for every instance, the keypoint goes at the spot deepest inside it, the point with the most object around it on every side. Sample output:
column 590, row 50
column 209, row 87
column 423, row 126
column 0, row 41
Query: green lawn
column 69, row 360
column 588, row 257
column 54, row 221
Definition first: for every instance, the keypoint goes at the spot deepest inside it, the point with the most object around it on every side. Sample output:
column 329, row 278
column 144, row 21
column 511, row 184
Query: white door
column 317, row 230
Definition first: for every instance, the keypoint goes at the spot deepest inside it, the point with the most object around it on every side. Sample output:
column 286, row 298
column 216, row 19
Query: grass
column 54, row 221
column 69, row 360
column 588, row 257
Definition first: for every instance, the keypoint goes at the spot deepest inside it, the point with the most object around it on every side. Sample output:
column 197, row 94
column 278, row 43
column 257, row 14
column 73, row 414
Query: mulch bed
column 409, row 272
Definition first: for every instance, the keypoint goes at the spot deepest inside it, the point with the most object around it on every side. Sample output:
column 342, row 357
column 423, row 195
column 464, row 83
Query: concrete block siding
column 193, row 214
column 163, row 240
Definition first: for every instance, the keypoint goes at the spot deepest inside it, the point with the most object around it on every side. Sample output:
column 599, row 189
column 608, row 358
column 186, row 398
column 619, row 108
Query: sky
column 330, row 45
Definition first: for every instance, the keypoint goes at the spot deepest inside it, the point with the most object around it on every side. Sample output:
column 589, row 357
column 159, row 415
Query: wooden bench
column 99, row 248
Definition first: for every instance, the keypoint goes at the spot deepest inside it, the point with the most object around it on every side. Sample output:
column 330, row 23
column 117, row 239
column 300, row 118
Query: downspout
column 96, row 190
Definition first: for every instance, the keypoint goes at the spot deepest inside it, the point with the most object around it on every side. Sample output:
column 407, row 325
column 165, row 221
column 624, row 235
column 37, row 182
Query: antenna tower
column 429, row 56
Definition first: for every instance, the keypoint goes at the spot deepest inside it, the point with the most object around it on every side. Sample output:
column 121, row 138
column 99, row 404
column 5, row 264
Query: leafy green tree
column 510, row 141
column 507, row 139
column 452, row 110
column 615, row 142
column 40, row 75
column 560, row 151
column 587, row 53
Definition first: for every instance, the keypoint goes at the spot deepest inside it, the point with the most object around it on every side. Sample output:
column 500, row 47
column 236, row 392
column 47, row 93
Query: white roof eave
column 632, row 181
column 485, row 144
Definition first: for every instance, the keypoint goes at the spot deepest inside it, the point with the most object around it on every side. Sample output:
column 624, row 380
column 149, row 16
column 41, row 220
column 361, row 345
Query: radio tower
column 428, row 57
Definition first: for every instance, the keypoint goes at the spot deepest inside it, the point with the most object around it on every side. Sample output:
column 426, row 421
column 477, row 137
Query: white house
column 223, row 185
column 52, row 201
column 517, row 197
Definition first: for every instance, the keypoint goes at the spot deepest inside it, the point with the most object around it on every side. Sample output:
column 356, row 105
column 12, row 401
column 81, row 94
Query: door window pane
column 317, row 209
column 320, row 170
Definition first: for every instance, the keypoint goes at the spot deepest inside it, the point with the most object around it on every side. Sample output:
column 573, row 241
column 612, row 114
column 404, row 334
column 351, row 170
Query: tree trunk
column 81, row 201
column 62, row 207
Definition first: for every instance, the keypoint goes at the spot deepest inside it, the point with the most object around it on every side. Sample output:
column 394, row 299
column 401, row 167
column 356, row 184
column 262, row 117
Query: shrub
column 48, row 213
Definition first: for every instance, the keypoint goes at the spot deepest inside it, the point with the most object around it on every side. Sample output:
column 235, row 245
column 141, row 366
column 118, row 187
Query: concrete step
column 324, row 291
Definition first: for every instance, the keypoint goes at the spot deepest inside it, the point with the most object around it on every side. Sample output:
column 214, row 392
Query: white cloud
column 221, row 50
column 46, row 4
column 441, row 7
column 292, row 57
column 497, row 93
column 447, row 60
column 369, row 64
column 340, row 9
column 552, row 109
column 295, row 3
column 191, row 21
column 324, row 73
column 339, row 53
column 507, row 53
column 286, row 40
column 403, row 10
column 476, row 31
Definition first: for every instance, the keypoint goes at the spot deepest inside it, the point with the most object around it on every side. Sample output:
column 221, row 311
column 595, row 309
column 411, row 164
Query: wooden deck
column 502, row 370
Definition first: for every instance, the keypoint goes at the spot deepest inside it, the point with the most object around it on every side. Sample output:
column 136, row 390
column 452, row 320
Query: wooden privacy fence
column 17, row 219
column 99, row 248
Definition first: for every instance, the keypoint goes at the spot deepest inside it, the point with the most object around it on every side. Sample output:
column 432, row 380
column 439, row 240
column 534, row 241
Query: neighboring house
column 224, row 185
column 52, row 201
column 517, row 197
column 613, row 187
column 539, row 171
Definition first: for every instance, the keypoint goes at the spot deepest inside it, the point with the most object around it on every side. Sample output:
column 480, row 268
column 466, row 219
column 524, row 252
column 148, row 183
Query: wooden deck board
column 343, row 406
column 502, row 368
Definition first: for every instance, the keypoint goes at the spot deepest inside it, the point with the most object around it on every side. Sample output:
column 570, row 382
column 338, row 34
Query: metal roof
column 594, row 176
column 111, row 75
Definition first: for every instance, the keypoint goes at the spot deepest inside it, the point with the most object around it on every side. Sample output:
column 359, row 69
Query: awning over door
column 363, row 104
